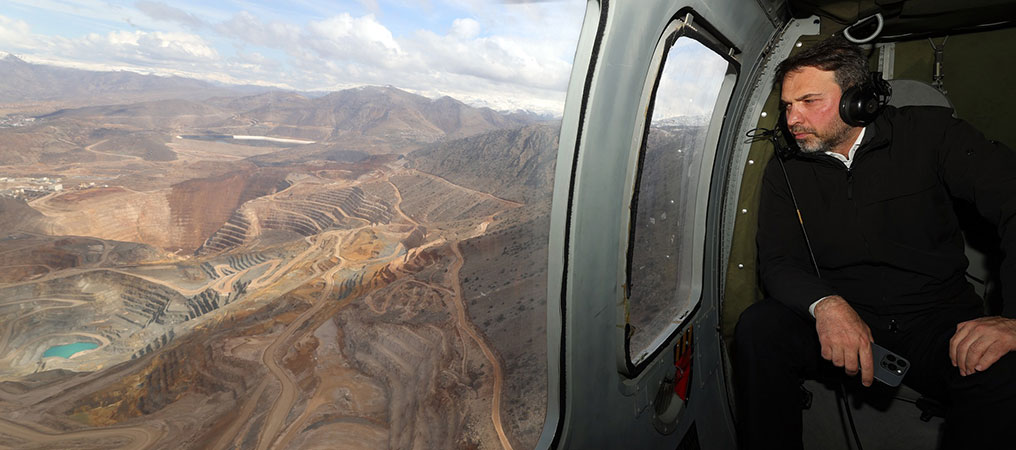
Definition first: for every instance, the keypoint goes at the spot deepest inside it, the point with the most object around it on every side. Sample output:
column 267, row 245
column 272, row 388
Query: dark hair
column 835, row 54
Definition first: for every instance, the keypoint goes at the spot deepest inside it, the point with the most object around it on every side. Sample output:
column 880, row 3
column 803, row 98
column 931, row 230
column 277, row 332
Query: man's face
column 812, row 100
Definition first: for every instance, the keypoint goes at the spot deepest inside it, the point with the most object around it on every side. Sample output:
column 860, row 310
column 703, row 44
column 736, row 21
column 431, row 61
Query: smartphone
column 889, row 367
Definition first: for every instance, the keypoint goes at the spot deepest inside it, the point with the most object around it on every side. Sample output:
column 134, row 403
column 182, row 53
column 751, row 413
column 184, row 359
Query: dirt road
column 140, row 438
column 466, row 326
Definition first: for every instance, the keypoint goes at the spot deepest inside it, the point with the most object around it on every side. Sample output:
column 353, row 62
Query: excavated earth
column 239, row 299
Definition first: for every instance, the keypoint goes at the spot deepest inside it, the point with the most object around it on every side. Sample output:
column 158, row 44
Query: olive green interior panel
column 742, row 285
column 978, row 70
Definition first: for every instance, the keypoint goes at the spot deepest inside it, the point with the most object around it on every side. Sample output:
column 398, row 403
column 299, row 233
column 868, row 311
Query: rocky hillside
column 16, row 215
column 346, row 126
column 516, row 164
column 147, row 146
column 371, row 113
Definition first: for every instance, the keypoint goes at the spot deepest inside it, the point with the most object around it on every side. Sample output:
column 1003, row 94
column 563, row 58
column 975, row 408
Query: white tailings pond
column 238, row 137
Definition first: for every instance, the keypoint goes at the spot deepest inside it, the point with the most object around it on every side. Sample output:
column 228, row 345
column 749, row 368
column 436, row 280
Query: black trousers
column 777, row 348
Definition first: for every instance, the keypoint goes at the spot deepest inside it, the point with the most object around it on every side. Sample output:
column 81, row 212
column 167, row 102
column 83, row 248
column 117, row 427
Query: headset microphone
column 785, row 147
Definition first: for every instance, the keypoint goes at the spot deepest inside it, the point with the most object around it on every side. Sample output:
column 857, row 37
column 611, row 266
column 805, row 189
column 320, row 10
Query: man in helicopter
column 858, row 244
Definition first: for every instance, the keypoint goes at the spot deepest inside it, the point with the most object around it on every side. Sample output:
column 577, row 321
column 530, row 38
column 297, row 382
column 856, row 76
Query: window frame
column 685, row 24
column 572, row 133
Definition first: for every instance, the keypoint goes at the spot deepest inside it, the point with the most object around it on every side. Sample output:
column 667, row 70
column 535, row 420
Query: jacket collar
column 879, row 132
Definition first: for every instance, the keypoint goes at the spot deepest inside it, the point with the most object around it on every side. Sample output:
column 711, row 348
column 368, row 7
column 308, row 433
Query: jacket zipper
column 850, row 184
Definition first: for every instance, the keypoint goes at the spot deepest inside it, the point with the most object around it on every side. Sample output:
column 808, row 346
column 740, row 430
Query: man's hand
column 845, row 338
column 978, row 343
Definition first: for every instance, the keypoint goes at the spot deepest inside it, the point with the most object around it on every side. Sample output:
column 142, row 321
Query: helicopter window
column 668, row 204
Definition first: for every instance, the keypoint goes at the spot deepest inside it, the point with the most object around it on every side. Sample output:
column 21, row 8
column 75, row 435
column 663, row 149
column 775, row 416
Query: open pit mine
column 304, row 291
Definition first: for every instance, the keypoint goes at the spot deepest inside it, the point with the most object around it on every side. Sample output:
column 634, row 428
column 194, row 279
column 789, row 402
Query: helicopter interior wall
column 976, row 70
column 975, row 73
column 602, row 407
column 910, row 16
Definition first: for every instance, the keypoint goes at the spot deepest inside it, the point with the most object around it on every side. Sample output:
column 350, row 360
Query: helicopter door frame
column 591, row 403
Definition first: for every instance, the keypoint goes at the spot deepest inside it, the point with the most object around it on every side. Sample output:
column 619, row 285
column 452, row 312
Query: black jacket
column 884, row 232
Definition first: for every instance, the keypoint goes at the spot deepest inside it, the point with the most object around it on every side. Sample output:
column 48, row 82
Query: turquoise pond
column 66, row 351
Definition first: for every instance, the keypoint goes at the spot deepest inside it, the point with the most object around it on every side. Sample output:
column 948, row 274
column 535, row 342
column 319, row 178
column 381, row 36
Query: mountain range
column 368, row 110
column 343, row 124
column 24, row 81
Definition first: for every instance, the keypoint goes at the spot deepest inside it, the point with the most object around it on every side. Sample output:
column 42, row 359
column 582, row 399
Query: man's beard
column 823, row 142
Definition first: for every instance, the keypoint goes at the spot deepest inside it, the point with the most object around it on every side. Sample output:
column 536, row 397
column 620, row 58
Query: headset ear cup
column 861, row 104
column 852, row 103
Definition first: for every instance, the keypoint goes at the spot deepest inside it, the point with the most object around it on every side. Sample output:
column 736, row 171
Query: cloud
column 370, row 5
column 360, row 38
column 470, row 60
column 465, row 28
column 59, row 11
column 157, row 48
column 164, row 12
column 324, row 45
column 249, row 29
column 14, row 34
column 176, row 46
column 496, row 58
column 504, row 56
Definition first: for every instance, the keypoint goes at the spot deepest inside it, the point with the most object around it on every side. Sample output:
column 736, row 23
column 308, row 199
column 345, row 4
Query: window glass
column 663, row 285
column 256, row 225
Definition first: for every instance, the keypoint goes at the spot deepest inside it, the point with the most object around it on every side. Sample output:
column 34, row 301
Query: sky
column 689, row 89
column 505, row 54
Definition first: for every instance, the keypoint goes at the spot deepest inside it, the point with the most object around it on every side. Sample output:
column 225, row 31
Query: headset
column 860, row 104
